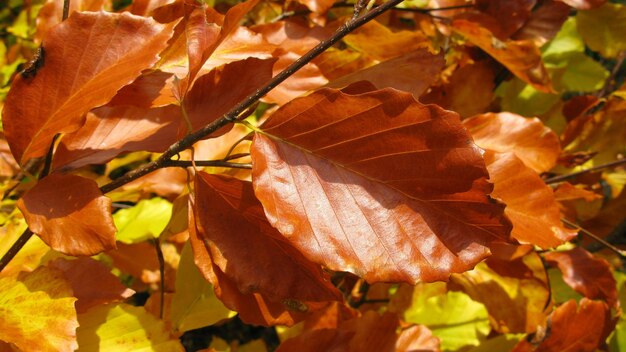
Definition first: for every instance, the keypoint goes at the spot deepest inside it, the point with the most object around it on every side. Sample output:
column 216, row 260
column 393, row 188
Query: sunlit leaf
column 37, row 311
column 531, row 206
column 336, row 174
column 603, row 29
column 29, row 257
column 521, row 57
column 86, row 60
column 453, row 317
column 123, row 327
column 379, row 42
column 532, row 142
column 70, row 214
column 194, row 304
column 146, row 220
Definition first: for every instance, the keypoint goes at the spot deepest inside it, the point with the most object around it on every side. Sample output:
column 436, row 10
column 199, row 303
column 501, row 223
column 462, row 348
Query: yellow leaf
column 37, row 311
column 121, row 327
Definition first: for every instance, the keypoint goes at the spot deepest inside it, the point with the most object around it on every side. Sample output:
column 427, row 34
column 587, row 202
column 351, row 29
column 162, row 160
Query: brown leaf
column 589, row 275
column 584, row 329
column 51, row 13
column 413, row 72
column 521, row 57
column 70, row 214
column 336, row 173
column 530, row 203
column 86, row 60
column 379, row 42
column 253, row 307
column 231, row 219
column 544, row 22
column 215, row 93
column 110, row 131
column 577, row 203
column 469, row 91
column 92, row 282
column 370, row 332
column 536, row 145
column 151, row 89
column 140, row 260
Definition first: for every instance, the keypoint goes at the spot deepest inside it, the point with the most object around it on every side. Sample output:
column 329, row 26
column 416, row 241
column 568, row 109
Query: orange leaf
column 252, row 307
column 86, row 60
column 379, row 42
column 232, row 219
column 536, row 145
column 591, row 276
column 544, row 22
column 572, row 329
column 413, row 72
column 37, row 311
column 70, row 214
column 375, row 183
column 521, row 57
column 92, row 282
column 530, row 203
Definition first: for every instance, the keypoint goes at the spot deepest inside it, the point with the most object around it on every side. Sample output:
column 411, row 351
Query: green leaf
column 561, row 292
column 604, row 29
column 144, row 221
column 122, row 327
column 453, row 316
column 564, row 44
column 583, row 74
column 194, row 304
column 522, row 99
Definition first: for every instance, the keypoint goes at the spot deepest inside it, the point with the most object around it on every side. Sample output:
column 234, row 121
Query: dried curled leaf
column 375, row 183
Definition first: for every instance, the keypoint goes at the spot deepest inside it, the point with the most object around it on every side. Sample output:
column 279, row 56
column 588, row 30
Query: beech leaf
column 85, row 61
column 521, row 57
column 70, row 214
column 375, row 183
column 591, row 276
column 146, row 220
column 37, row 311
column 535, row 144
column 92, row 282
column 123, row 327
column 531, row 205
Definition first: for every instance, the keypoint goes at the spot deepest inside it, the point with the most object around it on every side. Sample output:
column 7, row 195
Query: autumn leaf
column 37, row 311
column 231, row 217
column 532, row 142
column 145, row 221
column 194, row 304
column 336, row 174
column 603, row 28
column 70, row 214
column 86, row 59
column 531, row 205
column 587, row 274
column 572, row 328
column 91, row 281
column 521, row 57
column 515, row 303
column 122, row 326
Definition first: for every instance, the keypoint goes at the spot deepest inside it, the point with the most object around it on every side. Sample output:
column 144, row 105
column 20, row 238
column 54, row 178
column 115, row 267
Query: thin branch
column 214, row 163
column 561, row 178
column 229, row 117
column 597, row 238
column 159, row 252
column 49, row 155
column 66, row 9
column 15, row 248
column 232, row 115
column 609, row 82
column 235, row 156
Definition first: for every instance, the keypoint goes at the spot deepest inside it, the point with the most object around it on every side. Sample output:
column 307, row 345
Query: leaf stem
column 66, row 9
column 597, row 238
column 161, row 259
column 561, row 178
